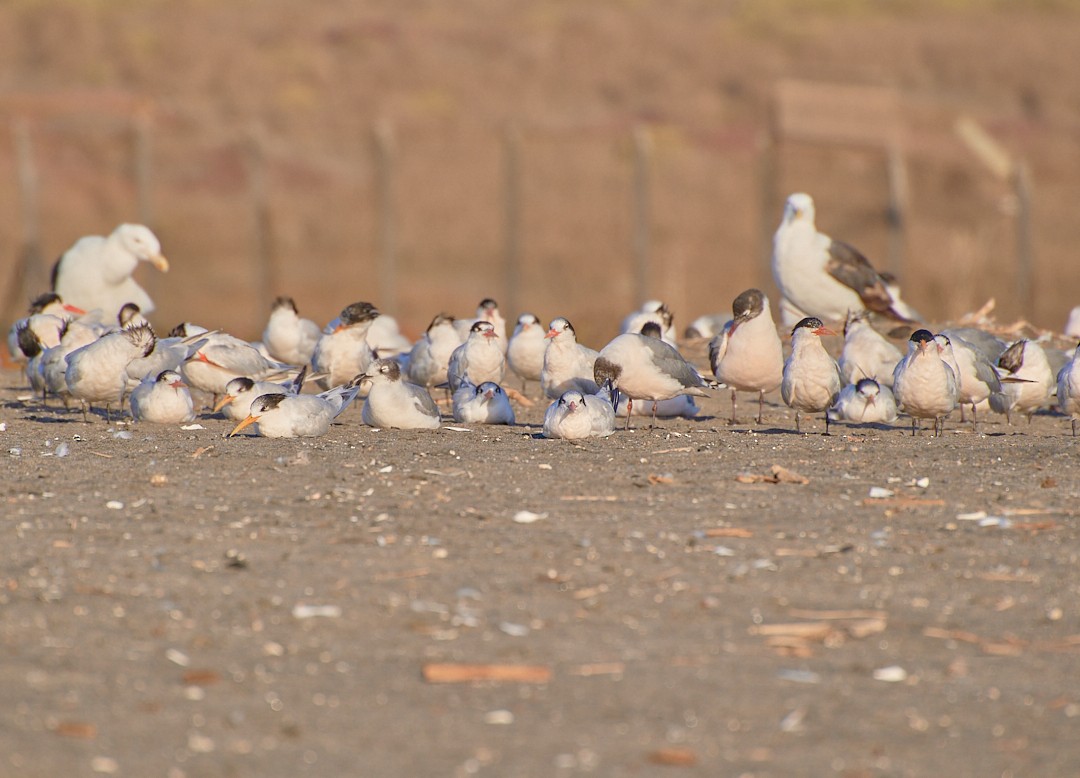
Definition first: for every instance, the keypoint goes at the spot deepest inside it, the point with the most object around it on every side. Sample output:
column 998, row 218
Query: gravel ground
column 173, row 603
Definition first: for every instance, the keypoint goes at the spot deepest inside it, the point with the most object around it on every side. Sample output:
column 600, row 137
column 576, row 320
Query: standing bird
column 287, row 337
column 925, row 385
column 488, row 311
column 342, row 351
column 1027, row 380
column 1068, row 389
column 866, row 353
column 163, row 400
column 483, row 404
column 748, row 356
column 644, row 367
column 75, row 335
column 96, row 271
column 567, row 364
column 811, row 380
column 97, row 373
column 430, row 355
column 482, row 356
column 866, row 402
column 976, row 375
column 298, row 415
column 392, row 402
column 821, row 277
column 575, row 416
column 525, row 351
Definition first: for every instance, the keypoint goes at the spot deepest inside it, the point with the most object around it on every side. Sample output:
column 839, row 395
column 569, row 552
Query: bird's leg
column 962, row 419
column 760, row 406
column 733, row 419
column 652, row 424
column 1008, row 417
column 797, row 422
column 826, row 422
column 914, row 425
column 107, row 406
column 1074, row 426
column 974, row 421
column 629, row 410
column 84, row 407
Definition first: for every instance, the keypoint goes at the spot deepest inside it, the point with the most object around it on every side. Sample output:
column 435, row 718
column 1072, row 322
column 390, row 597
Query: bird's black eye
column 498, row 390
column 562, row 401
column 479, row 390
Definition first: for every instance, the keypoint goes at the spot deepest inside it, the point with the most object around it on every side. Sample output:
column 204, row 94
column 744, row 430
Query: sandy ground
column 178, row 604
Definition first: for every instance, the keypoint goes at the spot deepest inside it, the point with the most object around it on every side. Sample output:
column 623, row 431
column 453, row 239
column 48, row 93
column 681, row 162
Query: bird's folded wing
column 853, row 270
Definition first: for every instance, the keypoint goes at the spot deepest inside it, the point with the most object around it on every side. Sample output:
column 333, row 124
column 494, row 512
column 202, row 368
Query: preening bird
column 342, row 351
column 97, row 373
column 96, row 272
column 288, row 337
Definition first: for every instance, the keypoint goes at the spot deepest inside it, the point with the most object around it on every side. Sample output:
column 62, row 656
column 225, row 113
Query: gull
column 96, row 271
column 567, row 364
column 925, row 385
column 525, row 351
column 866, row 353
column 575, row 416
column 392, row 402
column 1068, row 389
column 644, row 367
column 811, row 380
column 481, row 356
column 342, row 351
column 748, row 356
column 977, row 377
column 282, row 415
column 220, row 357
column 865, row 402
column 488, row 311
column 483, row 404
column 97, row 373
column 1027, row 380
column 652, row 311
column 288, row 337
column 163, row 400
column 821, row 277
column 430, row 355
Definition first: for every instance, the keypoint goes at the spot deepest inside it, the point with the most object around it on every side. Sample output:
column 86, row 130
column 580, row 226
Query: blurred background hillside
column 564, row 157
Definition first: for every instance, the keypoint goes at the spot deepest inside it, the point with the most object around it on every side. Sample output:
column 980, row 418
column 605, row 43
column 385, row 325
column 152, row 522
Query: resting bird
column 525, row 352
column 488, row 311
column 96, row 271
column 567, row 364
column 482, row 356
column 162, row 400
column 430, row 355
column 822, row 277
column 1027, row 381
column 483, row 404
column 393, row 402
column 575, row 416
column 298, row 415
column 866, row 353
column 343, row 350
column 1068, row 389
column 287, row 337
column 865, row 402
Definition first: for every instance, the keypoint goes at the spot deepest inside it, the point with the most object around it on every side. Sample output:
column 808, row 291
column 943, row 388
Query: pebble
column 114, row 505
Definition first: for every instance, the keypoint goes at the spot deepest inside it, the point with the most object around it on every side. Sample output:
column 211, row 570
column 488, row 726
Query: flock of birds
column 87, row 341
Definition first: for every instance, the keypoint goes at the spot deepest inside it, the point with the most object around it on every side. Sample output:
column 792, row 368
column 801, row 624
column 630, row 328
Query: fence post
column 1025, row 259
column 382, row 136
column 29, row 277
column 642, row 213
column 512, row 219
column 265, row 276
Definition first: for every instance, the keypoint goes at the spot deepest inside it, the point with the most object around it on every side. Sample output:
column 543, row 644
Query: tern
column 488, row 311
column 865, row 402
column 288, row 337
column 822, row 277
column 74, row 335
column 97, row 373
column 46, row 317
column 1027, row 380
column 811, row 379
column 429, row 358
column 977, row 377
column 567, row 364
column 652, row 311
column 1068, row 389
column 298, row 415
column 96, row 271
column 866, row 353
column 343, row 351
column 163, row 400
column 525, row 351
column 482, row 356
column 241, row 391
column 925, row 385
column 575, row 416
column 220, row 357
column 748, row 356
column 393, row 402
column 644, row 367
column 483, row 404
